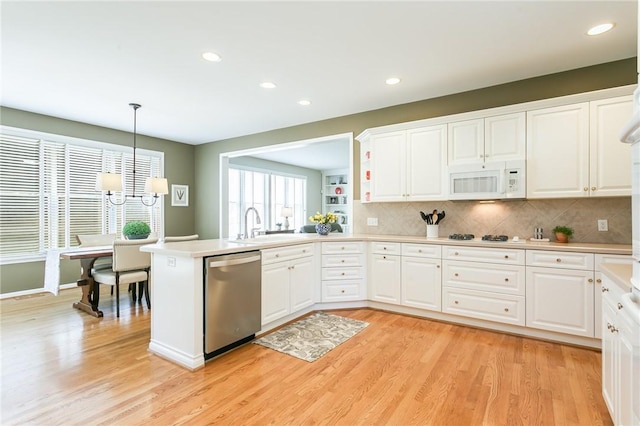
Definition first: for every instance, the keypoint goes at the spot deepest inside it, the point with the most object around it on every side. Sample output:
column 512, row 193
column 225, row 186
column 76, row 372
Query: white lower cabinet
column 421, row 274
column 384, row 272
column 620, row 344
column 287, row 281
column 560, row 292
column 343, row 271
column 484, row 283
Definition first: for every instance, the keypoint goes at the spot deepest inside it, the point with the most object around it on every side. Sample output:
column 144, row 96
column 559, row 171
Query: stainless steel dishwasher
column 232, row 301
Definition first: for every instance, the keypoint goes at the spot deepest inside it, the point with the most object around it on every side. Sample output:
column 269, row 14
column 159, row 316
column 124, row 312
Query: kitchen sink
column 266, row 239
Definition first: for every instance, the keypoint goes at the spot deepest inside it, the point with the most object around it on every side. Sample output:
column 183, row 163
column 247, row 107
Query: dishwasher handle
column 232, row 262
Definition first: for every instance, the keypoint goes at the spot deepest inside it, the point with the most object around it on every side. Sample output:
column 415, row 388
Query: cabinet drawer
column 343, row 273
column 483, row 305
column 343, row 247
column 385, row 248
column 560, row 259
column 339, row 291
column 478, row 254
column 610, row 292
column 508, row 279
column 422, row 250
column 286, row 253
column 342, row 260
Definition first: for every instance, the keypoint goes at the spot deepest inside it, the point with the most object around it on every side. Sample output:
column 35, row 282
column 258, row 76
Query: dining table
column 90, row 290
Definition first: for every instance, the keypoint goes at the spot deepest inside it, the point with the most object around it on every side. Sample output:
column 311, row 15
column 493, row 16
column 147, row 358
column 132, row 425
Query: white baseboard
column 34, row 291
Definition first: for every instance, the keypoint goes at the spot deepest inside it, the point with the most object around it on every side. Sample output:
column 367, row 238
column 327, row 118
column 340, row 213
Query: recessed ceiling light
column 599, row 29
column 393, row 80
column 304, row 102
column 211, row 57
column 268, row 85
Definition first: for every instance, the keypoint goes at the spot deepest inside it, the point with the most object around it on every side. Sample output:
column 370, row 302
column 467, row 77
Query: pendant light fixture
column 113, row 181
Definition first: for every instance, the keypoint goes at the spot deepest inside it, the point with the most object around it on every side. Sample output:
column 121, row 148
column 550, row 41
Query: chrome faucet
column 246, row 216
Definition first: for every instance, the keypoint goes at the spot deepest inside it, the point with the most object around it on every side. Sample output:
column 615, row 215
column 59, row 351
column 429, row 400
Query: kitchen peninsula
column 377, row 271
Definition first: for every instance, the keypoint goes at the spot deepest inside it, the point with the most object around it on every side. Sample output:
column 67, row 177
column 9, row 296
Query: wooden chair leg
column 141, row 289
column 146, row 294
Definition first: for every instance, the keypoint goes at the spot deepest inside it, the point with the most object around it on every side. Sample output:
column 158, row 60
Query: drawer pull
column 342, row 261
column 620, row 306
column 455, row 301
column 437, row 266
column 384, row 248
column 609, row 326
column 456, row 253
column 586, row 188
column 506, row 280
column 277, row 254
column 455, row 275
column 590, row 280
column 341, row 291
column 419, row 250
column 342, row 248
column 613, row 329
column 598, row 280
column 593, row 188
column 506, row 309
column 304, row 250
column 506, row 256
column 558, row 260
column 384, row 257
column 604, row 289
column 342, row 274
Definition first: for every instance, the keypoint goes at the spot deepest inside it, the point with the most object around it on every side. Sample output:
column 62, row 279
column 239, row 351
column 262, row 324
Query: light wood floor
column 61, row 366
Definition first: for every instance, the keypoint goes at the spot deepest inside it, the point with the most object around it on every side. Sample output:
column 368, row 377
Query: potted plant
column 136, row 230
column 323, row 222
column 563, row 233
column 278, row 226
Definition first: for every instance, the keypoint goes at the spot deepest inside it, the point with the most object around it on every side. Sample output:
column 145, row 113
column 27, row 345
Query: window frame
column 70, row 141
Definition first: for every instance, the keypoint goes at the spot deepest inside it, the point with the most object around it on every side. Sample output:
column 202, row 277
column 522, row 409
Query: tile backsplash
column 504, row 217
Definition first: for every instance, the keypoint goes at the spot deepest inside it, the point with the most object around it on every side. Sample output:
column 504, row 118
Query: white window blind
column 48, row 196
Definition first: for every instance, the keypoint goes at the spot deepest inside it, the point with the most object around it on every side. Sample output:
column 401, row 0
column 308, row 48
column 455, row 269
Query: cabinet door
column 421, row 283
column 558, row 152
column 385, row 278
column 504, row 137
column 301, row 279
column 610, row 166
column 626, row 398
column 609, row 351
column 426, row 164
column 466, row 142
column 275, row 291
column 560, row 300
column 388, row 167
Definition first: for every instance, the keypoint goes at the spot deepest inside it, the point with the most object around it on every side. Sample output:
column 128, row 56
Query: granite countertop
column 202, row 248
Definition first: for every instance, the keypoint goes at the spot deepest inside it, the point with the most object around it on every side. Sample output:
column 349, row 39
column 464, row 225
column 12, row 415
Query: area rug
column 313, row 336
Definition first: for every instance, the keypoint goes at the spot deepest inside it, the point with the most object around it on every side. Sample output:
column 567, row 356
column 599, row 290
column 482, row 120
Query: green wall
column 178, row 168
column 612, row 74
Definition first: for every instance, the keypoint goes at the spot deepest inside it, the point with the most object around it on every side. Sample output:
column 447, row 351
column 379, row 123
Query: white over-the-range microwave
column 494, row 180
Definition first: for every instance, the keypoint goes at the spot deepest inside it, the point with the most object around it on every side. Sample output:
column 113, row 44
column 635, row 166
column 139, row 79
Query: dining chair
column 181, row 238
column 97, row 240
column 130, row 266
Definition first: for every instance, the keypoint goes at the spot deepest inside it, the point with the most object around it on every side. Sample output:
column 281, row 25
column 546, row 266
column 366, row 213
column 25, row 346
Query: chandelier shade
column 110, row 182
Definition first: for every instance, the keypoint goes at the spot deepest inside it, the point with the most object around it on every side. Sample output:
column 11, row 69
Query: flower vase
column 323, row 228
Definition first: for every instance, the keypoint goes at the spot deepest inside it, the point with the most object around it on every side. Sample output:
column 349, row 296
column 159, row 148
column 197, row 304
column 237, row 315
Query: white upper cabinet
column 497, row 138
column 408, row 165
column 579, row 144
column 610, row 165
column 558, row 151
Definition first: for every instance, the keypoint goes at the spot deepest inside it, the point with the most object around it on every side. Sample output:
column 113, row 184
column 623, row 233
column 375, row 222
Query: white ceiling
column 85, row 61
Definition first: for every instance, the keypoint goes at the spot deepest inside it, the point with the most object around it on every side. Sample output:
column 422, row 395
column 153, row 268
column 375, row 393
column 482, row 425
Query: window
column 268, row 192
column 48, row 196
